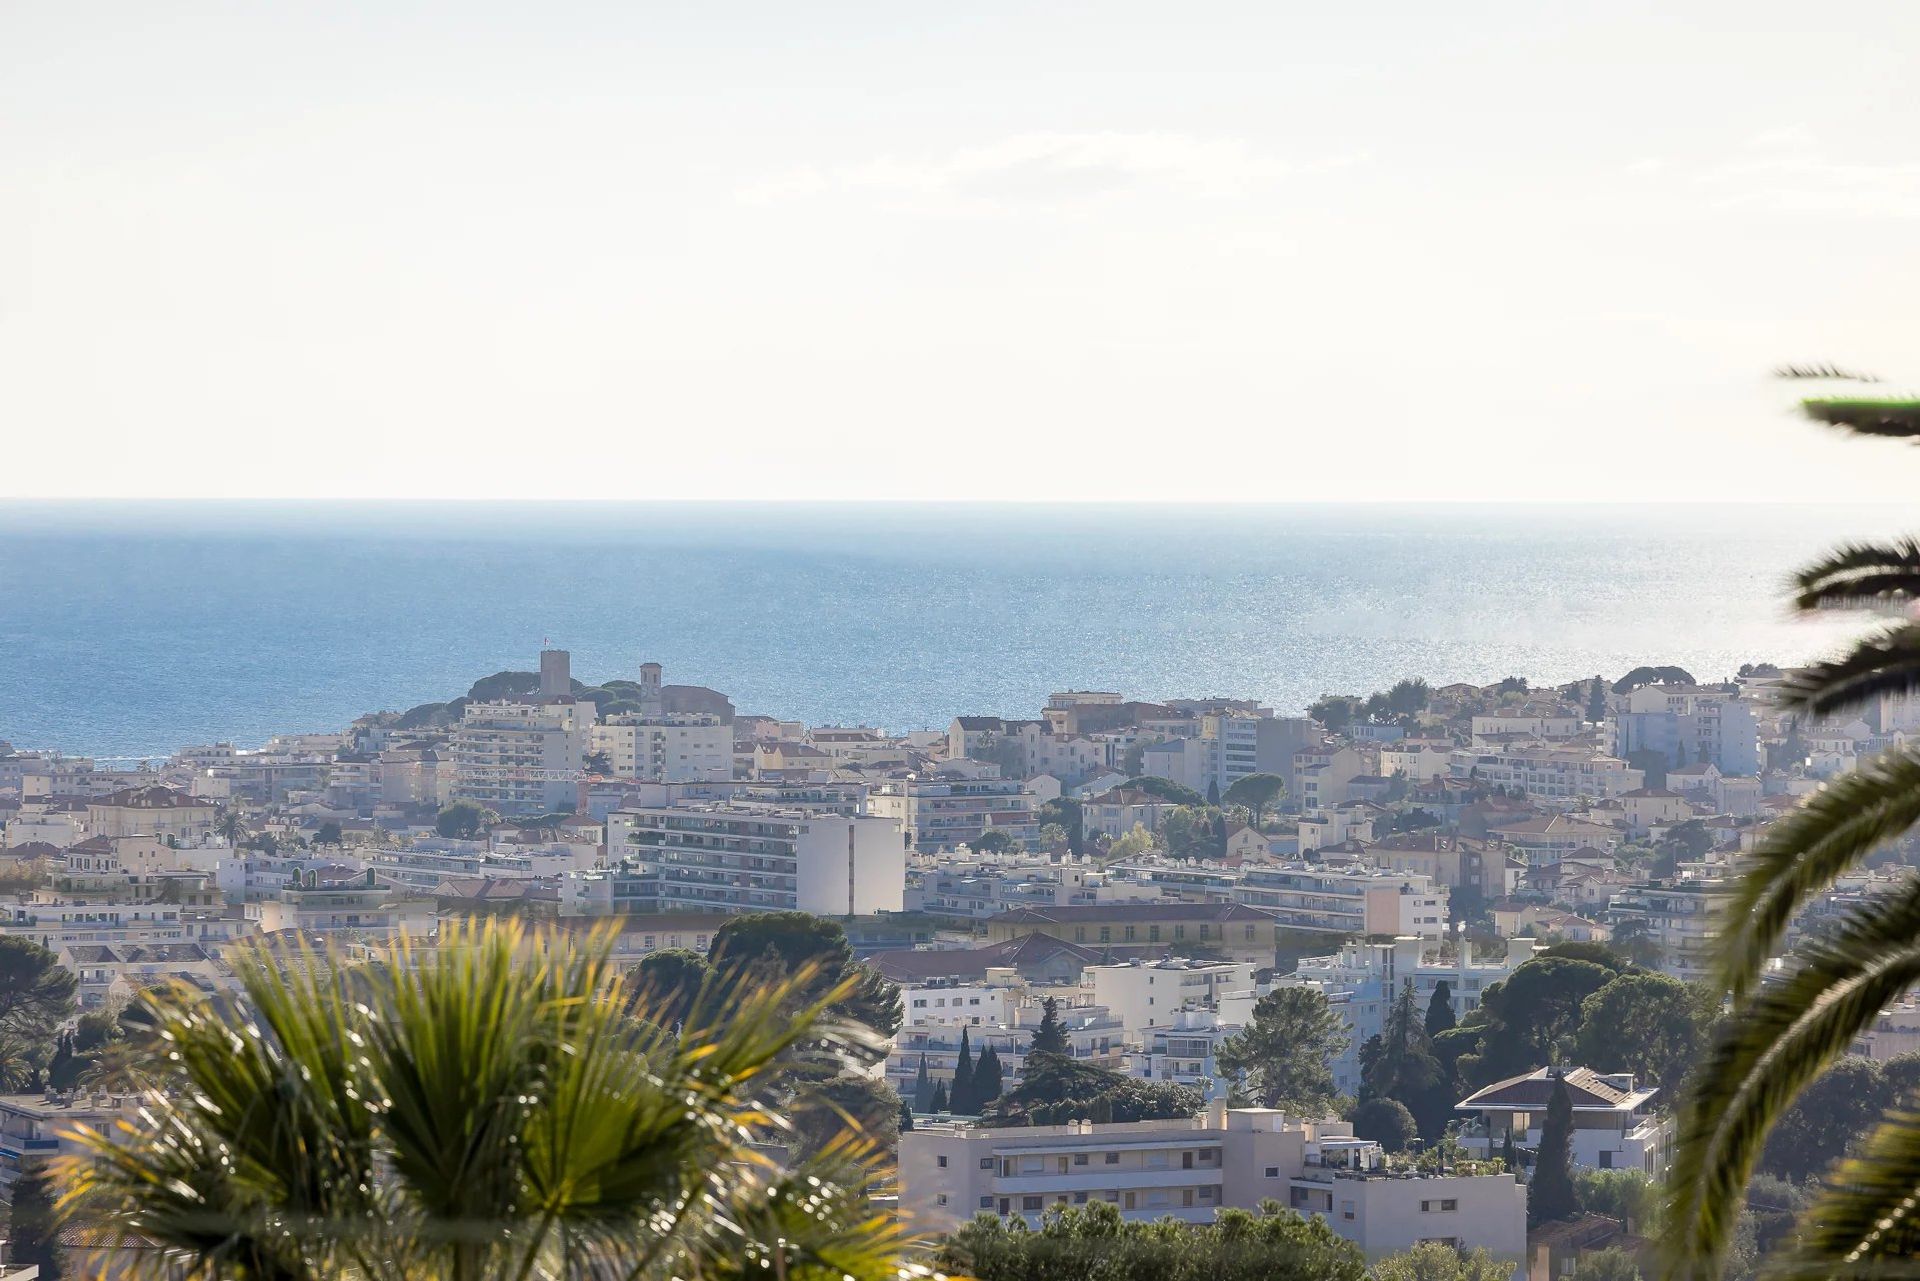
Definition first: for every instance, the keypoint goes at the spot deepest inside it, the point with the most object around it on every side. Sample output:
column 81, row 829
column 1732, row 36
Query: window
column 1079, row 1198
column 1606, row 1160
column 1129, row 1200
column 1346, row 1211
column 1113, row 1158
column 1180, row 931
column 941, row 1199
column 1186, row 1196
column 986, row 1163
column 1080, row 1158
column 1130, row 933
column 986, row 1203
column 1030, row 1203
column 1273, row 1172
column 940, row 1161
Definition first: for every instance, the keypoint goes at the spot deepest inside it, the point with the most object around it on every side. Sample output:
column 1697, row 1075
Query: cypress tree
column 1440, row 1010
column 923, row 1089
column 986, row 1078
column 939, row 1103
column 1049, row 1037
column 961, row 1094
column 1550, row 1191
column 906, row 1116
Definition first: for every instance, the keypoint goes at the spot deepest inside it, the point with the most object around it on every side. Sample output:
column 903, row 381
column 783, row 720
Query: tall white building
column 664, row 748
column 521, row 758
column 745, row 857
column 947, row 809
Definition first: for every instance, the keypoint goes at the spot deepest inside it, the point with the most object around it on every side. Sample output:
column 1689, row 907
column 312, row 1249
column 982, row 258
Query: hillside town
column 1135, row 886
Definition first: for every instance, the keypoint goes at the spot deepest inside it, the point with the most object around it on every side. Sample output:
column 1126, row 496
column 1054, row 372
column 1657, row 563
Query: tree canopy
column 1055, row 1088
column 1282, row 1057
column 464, row 821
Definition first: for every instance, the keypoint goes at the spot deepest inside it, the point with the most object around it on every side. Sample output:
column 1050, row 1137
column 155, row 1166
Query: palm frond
column 1823, row 372
column 1863, row 1222
column 1885, row 663
column 1777, row 1041
column 1895, row 419
column 1860, row 574
column 1833, row 830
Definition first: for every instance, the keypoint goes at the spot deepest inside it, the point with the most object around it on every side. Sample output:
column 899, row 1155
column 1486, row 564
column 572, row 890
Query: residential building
column 743, row 856
column 1558, row 773
column 1241, row 933
column 1143, row 993
column 519, row 758
column 946, row 809
column 1615, row 1126
column 664, row 748
column 1190, row 1169
column 1353, row 900
column 153, row 810
column 1686, row 723
column 1117, row 812
column 1677, row 915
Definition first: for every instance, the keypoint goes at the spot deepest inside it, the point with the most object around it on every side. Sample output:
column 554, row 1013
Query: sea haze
column 131, row 630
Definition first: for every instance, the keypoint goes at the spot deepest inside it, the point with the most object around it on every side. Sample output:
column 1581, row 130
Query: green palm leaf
column 1889, row 419
column 1861, row 574
column 1780, row 1039
column 1886, row 663
column 1832, row 831
column 1862, row 1224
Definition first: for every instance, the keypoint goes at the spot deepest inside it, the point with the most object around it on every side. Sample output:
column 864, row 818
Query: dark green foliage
column 328, row 833
column 940, row 1102
column 1647, row 1024
column 1413, row 820
column 922, row 1088
column 1055, row 1089
column 1597, row 700
column 36, row 991
column 1067, row 813
column 992, row 841
column 906, row 1116
column 1550, row 1191
column 1387, row 1122
column 1336, row 711
column 960, row 1093
column 850, row 1101
column 1093, row 1243
column 31, row 1223
column 503, row 685
column 1258, row 792
column 431, row 715
column 1597, row 953
column 988, row 1077
column 1610, row 1264
column 463, row 821
column 1830, row 1115
column 1281, row 1058
column 1049, row 1037
column 1440, row 1010
column 1652, row 676
column 669, row 985
column 1165, row 789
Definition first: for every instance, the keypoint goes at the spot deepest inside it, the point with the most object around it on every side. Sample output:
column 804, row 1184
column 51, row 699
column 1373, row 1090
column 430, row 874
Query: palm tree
column 1782, row 1035
column 477, row 1109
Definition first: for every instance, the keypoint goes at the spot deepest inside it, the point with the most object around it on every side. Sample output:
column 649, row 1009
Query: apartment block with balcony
column 1615, row 1126
column 742, row 856
column 518, row 758
column 946, row 809
column 681, row 748
column 1190, row 1169
column 1143, row 993
column 1094, row 1036
column 1356, row 900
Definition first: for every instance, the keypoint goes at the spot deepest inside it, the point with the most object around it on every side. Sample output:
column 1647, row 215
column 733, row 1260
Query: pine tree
column 923, row 1088
column 939, row 1103
column 1049, row 1037
column 1550, row 1191
column 1213, row 792
column 987, row 1081
column 31, row 1222
column 906, row 1116
column 961, row 1095
column 1440, row 1010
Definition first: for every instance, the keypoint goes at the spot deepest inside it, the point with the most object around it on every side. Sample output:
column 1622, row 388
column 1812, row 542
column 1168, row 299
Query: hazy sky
column 1246, row 251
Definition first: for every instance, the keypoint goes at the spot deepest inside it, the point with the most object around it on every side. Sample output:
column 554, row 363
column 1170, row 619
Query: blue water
column 132, row 630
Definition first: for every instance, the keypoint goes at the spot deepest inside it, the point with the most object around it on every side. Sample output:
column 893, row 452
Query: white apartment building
column 1495, row 726
column 521, row 758
column 1561, row 773
column 1614, row 1124
column 1189, row 1169
column 1678, row 915
column 1417, row 762
column 683, row 748
column 1355, row 900
column 1183, row 1050
column 946, row 809
column 333, row 907
column 1144, row 993
column 1363, row 980
column 1894, row 1033
column 741, row 856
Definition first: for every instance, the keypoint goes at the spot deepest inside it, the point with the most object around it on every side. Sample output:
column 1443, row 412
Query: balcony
column 1105, row 1179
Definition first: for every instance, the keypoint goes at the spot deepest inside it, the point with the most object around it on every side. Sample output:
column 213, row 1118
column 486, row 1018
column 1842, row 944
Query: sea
column 130, row 630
